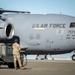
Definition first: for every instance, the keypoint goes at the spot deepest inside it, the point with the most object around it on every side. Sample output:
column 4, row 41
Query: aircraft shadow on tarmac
column 4, row 67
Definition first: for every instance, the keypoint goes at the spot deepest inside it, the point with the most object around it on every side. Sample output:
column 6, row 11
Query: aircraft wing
column 3, row 11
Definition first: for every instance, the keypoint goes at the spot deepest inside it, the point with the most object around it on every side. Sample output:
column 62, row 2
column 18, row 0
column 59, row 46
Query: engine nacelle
column 6, row 30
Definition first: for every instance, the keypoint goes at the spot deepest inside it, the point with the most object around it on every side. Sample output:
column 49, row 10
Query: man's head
column 15, row 40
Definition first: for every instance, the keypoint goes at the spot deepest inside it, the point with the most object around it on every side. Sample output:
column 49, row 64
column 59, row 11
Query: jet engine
column 6, row 30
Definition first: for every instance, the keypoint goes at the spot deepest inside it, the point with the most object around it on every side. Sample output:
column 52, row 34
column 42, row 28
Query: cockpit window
column 72, row 25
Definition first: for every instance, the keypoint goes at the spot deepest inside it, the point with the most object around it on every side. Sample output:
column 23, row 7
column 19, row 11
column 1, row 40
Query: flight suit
column 16, row 54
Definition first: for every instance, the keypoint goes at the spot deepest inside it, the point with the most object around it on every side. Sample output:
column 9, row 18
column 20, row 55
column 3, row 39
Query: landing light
column 39, row 28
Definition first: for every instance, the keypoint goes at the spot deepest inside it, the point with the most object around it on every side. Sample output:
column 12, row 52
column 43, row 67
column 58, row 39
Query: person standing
column 16, row 54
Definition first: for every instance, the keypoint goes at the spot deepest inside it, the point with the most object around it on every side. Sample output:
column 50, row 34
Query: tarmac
column 42, row 67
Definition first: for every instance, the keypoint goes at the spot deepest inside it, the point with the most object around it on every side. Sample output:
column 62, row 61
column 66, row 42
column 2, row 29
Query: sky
column 66, row 7
column 41, row 6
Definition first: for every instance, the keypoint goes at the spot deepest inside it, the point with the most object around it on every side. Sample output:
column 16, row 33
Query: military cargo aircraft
column 37, row 33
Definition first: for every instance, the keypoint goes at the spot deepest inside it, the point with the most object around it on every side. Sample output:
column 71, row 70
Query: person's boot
column 15, row 68
column 21, row 68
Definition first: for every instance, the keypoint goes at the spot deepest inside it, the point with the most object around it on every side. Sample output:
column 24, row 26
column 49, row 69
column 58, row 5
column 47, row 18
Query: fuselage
column 49, row 33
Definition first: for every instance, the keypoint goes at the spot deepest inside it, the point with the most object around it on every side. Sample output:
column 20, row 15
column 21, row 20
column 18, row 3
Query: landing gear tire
column 11, row 65
column 73, row 57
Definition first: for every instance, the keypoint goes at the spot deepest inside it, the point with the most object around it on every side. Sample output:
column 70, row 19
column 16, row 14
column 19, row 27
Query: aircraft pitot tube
column 6, row 30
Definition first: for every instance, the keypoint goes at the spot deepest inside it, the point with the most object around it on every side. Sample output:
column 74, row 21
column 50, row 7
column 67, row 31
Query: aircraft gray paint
column 39, row 33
